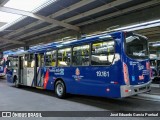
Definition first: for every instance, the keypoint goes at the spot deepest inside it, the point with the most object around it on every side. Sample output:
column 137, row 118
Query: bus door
column 39, row 70
column 28, row 70
column 35, row 69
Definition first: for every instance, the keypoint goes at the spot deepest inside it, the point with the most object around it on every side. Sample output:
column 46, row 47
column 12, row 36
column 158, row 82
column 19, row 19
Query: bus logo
column 77, row 72
column 77, row 75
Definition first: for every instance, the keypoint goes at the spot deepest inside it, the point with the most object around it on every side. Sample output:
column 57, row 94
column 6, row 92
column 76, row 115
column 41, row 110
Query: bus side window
column 53, row 61
column 48, row 58
column 102, row 53
column 29, row 60
column 81, row 55
column 41, row 60
column 32, row 61
column 64, row 56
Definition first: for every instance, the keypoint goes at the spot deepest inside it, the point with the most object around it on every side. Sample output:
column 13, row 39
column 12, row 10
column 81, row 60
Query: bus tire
column 60, row 89
column 16, row 82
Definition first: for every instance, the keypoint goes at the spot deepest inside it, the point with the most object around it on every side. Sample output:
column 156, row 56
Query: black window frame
column 104, row 40
column 60, row 48
column 125, row 47
column 51, row 54
column 28, row 55
column 89, row 54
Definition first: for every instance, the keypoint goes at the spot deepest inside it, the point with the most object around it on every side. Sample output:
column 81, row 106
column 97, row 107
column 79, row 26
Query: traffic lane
column 31, row 99
column 27, row 98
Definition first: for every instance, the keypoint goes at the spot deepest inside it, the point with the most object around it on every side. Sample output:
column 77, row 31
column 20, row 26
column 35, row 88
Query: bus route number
column 102, row 73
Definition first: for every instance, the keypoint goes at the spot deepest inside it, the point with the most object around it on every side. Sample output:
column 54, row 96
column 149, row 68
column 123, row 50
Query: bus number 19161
column 102, row 73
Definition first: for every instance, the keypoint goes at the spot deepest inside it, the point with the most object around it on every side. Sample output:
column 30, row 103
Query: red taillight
column 148, row 68
column 115, row 82
column 147, row 65
column 126, row 90
column 126, row 74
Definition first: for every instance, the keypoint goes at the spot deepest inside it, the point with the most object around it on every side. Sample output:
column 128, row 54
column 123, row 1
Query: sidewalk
column 155, row 89
column 149, row 97
column 153, row 95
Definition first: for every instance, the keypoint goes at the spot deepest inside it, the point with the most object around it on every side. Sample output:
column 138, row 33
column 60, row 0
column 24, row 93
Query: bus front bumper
column 2, row 74
column 129, row 90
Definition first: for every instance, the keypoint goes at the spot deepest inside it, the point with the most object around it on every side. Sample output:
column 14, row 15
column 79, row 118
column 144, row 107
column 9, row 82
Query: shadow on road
column 2, row 78
column 103, row 103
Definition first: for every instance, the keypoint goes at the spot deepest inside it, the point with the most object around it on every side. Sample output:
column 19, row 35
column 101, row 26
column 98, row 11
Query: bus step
column 39, row 87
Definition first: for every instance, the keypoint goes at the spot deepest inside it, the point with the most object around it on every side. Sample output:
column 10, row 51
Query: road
column 31, row 99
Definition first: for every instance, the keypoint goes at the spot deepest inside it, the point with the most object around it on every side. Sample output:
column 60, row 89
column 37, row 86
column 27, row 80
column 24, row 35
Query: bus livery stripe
column 46, row 78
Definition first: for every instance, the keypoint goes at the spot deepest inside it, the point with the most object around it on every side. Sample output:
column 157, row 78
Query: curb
column 155, row 85
column 148, row 97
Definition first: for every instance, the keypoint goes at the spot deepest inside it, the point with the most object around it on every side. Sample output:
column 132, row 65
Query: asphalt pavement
column 32, row 99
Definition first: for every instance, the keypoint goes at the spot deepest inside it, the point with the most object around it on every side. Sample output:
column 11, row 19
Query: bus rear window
column 136, row 46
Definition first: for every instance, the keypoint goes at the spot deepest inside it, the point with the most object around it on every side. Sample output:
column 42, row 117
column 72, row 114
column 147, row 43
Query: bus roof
column 55, row 45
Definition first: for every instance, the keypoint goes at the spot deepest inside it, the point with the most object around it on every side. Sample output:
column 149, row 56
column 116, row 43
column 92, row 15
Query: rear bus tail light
column 149, row 68
column 126, row 74
column 151, row 73
column 147, row 65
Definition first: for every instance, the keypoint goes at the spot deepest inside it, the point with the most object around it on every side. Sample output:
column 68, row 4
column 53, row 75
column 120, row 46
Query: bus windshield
column 136, row 46
column 1, row 62
column 12, row 62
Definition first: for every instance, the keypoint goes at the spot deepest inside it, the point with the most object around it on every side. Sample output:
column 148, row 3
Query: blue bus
column 3, row 66
column 114, row 65
column 3, row 62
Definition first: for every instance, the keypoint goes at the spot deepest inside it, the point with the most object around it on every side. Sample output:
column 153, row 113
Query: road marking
column 155, row 85
column 147, row 97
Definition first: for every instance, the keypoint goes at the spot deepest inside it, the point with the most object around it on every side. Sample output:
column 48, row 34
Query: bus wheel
column 60, row 89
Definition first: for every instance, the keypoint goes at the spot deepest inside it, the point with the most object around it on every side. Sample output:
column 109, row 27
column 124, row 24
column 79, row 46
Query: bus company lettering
column 77, row 76
column 57, row 71
column 140, row 66
column 145, row 72
column 132, row 63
